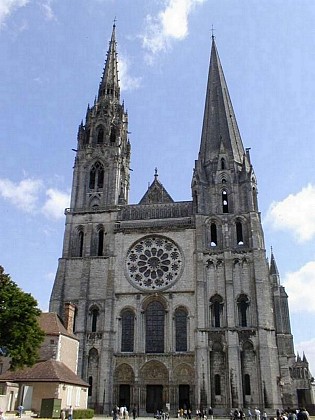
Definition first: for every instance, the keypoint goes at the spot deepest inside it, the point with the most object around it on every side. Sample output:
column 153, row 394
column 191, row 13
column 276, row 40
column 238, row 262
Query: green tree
column 20, row 333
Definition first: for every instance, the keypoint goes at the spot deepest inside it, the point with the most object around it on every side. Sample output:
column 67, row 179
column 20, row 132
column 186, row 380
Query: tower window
column 127, row 331
column 213, row 235
column 90, row 386
column 239, row 233
column 100, row 136
column 96, row 176
column 225, row 204
column 243, row 305
column 100, row 242
column 216, row 311
column 81, row 241
column 113, row 135
column 94, row 315
column 181, row 330
column 217, row 384
column 222, row 163
column 247, row 389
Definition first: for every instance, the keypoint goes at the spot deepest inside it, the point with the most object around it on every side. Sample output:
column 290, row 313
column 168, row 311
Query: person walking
column 70, row 413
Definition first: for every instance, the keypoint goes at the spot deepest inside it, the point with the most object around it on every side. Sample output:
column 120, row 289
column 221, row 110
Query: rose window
column 154, row 263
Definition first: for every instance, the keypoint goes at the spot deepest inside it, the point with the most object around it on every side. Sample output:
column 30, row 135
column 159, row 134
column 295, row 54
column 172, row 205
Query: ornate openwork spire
column 109, row 85
column 219, row 123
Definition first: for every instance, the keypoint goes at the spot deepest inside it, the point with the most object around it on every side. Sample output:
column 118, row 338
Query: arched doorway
column 154, row 386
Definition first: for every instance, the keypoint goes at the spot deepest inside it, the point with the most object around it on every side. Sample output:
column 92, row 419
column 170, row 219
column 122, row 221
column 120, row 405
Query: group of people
column 123, row 413
column 292, row 414
column 184, row 413
column 250, row 415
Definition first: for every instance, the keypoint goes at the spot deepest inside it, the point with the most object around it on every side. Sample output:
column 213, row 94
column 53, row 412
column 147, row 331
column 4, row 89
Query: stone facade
column 176, row 304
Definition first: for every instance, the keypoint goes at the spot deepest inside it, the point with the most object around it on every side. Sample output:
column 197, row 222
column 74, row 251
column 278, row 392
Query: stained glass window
column 127, row 331
column 181, row 330
column 155, row 328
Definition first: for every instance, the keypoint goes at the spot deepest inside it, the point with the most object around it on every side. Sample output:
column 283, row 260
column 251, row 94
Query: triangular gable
column 156, row 193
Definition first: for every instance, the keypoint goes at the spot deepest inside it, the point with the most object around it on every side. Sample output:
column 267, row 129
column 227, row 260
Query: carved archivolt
column 183, row 373
column 124, row 373
column 154, row 371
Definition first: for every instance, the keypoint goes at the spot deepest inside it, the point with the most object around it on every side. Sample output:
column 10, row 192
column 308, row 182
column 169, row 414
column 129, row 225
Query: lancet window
column 181, row 330
column 155, row 315
column 127, row 331
column 96, row 176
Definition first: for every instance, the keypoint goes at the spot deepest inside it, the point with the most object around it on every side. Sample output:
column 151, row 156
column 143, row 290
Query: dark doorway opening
column 183, row 397
column 154, row 400
column 124, row 396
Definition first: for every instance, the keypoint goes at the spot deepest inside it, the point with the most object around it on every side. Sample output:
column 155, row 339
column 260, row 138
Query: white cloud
column 295, row 213
column 47, row 9
column 7, row 7
column 23, row 195
column 56, row 203
column 27, row 195
column 170, row 24
column 300, row 286
column 127, row 82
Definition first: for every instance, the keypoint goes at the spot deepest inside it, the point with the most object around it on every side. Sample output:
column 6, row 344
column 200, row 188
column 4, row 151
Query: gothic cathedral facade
column 174, row 303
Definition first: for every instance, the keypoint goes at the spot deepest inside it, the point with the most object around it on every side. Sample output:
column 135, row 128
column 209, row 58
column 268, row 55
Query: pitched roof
column 47, row 371
column 156, row 193
column 51, row 324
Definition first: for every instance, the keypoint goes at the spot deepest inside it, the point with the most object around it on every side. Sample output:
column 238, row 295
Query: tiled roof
column 47, row 371
column 52, row 325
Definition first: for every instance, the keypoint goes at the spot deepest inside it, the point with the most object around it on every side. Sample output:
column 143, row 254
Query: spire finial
column 212, row 33
column 156, row 173
column 114, row 22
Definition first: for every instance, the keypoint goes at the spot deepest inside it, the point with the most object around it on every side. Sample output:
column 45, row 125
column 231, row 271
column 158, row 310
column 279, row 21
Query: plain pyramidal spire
column 109, row 85
column 219, row 122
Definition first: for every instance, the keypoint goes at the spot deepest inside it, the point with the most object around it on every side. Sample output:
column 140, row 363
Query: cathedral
column 175, row 303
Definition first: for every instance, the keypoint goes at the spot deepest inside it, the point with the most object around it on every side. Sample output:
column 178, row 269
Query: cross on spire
column 212, row 32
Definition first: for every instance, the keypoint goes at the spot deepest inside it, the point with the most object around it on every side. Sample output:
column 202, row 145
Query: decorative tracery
column 154, row 263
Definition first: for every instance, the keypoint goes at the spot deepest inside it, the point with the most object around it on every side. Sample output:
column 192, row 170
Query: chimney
column 69, row 316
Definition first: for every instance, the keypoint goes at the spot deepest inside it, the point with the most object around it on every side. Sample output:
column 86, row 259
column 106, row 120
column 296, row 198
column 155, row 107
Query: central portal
column 154, row 398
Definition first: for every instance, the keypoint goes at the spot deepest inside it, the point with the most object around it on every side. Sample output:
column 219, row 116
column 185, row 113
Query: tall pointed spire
column 109, row 85
column 273, row 270
column 219, row 123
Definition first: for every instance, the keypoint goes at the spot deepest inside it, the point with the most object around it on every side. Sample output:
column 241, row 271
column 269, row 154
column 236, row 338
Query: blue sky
column 52, row 56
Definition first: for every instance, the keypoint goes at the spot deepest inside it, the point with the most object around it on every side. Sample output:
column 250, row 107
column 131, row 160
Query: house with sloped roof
column 54, row 377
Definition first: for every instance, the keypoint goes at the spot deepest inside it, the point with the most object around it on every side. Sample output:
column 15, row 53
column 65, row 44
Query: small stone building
column 53, row 377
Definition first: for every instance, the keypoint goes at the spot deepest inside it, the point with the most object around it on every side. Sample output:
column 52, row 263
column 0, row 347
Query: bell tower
column 101, row 169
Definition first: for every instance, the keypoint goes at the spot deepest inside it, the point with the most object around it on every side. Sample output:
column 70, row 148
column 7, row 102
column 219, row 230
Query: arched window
column 100, row 136
column 127, row 331
column 87, row 136
column 96, row 176
column 100, row 244
column 247, row 390
column 94, row 318
column 239, row 233
column 222, row 164
column 216, row 311
column 81, row 242
column 225, row 204
column 243, row 304
column 90, row 386
column 213, row 235
column 217, row 384
column 196, row 200
column 113, row 135
column 181, row 330
column 155, row 314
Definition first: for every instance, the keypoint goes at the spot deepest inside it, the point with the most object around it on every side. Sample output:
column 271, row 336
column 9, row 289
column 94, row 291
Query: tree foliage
column 20, row 333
